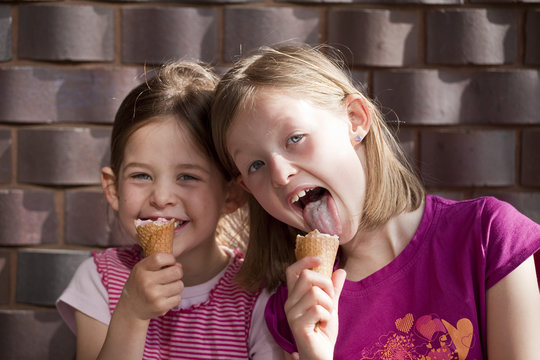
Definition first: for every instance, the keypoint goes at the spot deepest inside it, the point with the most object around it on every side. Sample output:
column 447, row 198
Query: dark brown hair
column 182, row 89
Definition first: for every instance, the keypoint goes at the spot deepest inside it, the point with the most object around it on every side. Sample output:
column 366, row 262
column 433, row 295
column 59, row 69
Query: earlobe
column 109, row 186
column 359, row 117
column 242, row 184
column 236, row 197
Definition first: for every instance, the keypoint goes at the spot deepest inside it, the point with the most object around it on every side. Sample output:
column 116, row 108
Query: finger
column 294, row 270
column 170, row 274
column 156, row 262
column 306, row 281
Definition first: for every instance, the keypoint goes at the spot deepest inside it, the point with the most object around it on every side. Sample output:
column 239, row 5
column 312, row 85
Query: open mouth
column 307, row 196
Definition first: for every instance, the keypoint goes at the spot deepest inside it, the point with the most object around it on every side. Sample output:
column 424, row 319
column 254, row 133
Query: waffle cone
column 156, row 238
column 316, row 244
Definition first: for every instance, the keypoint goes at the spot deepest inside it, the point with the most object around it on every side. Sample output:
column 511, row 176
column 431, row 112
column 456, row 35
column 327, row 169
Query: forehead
column 163, row 136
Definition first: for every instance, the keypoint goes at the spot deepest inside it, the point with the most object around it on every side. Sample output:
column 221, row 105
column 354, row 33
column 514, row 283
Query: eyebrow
column 185, row 166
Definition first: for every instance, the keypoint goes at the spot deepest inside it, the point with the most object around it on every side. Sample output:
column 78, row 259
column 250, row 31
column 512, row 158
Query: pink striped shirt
column 215, row 329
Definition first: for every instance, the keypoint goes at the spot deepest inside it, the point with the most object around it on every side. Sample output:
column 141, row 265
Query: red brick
column 66, row 32
column 47, row 94
column 477, row 36
column 42, row 274
column 27, row 217
column 375, row 37
column 5, row 32
column 157, row 35
column 5, row 156
column 530, row 157
column 35, row 335
column 90, row 221
column 532, row 31
column 248, row 28
column 468, row 158
column 72, row 156
column 454, row 97
column 5, row 277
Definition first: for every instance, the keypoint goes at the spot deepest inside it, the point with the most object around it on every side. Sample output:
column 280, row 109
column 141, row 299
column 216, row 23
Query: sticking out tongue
column 322, row 214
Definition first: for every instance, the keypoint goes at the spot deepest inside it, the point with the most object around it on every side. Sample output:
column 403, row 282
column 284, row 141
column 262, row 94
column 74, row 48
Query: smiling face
column 164, row 174
column 298, row 161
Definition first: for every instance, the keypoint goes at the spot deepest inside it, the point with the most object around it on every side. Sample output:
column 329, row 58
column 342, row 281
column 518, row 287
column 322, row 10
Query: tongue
column 322, row 215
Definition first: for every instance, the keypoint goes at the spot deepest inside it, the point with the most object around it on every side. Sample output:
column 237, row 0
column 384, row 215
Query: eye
column 256, row 165
column 141, row 176
column 295, row 139
column 187, row 177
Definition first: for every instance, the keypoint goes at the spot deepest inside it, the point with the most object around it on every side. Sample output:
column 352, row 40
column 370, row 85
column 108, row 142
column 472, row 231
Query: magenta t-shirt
column 431, row 300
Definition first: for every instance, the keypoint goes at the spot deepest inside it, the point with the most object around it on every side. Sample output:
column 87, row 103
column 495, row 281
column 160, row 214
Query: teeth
column 300, row 194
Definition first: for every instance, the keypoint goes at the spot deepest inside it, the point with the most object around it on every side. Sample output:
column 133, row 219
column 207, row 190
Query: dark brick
column 532, row 31
column 249, row 28
column 527, row 203
column 477, row 36
column 468, row 158
column 502, row 97
column 5, row 276
column 66, row 32
column 431, row 2
column 452, row 195
column 435, row 99
column 375, row 37
column 407, row 141
column 530, row 158
column 45, row 95
column 454, row 97
column 35, row 335
column 27, row 217
column 42, row 274
column 158, row 35
column 5, row 32
column 72, row 156
column 360, row 79
column 5, row 156
column 91, row 221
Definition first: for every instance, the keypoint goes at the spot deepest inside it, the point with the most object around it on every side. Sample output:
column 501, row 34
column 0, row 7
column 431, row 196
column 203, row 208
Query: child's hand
column 312, row 308
column 153, row 287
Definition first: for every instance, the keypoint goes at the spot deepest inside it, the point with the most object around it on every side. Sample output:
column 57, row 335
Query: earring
column 358, row 139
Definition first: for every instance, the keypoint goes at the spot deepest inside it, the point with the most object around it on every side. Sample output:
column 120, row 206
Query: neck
column 370, row 251
column 201, row 265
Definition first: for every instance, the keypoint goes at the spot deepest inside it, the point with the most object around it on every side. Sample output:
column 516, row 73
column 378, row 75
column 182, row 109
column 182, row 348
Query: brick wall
column 462, row 76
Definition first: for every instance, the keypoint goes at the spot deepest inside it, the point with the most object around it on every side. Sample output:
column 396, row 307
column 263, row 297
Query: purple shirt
column 431, row 299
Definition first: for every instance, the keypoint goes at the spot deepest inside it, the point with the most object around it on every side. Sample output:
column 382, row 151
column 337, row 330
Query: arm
column 152, row 289
column 513, row 315
column 312, row 309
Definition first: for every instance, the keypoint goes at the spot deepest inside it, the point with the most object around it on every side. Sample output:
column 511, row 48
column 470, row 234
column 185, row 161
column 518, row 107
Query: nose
column 281, row 170
column 162, row 195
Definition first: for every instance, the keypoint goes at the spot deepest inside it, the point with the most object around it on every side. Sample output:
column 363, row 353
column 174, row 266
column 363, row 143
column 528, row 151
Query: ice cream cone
column 156, row 236
column 317, row 244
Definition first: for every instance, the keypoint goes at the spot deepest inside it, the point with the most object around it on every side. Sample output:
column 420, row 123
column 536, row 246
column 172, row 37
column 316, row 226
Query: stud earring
column 358, row 139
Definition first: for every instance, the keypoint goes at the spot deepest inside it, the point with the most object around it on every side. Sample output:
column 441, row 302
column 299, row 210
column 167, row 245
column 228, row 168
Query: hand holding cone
column 156, row 236
column 322, row 245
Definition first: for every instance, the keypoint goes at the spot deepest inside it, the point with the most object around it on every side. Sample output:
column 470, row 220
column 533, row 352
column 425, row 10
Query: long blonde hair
column 320, row 77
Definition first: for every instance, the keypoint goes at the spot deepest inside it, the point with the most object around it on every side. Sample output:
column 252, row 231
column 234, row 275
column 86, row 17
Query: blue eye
column 255, row 166
column 295, row 139
column 141, row 176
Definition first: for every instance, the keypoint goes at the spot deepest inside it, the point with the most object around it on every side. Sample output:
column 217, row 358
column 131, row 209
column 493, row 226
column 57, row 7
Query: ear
column 359, row 118
column 110, row 187
column 236, row 197
column 242, row 184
